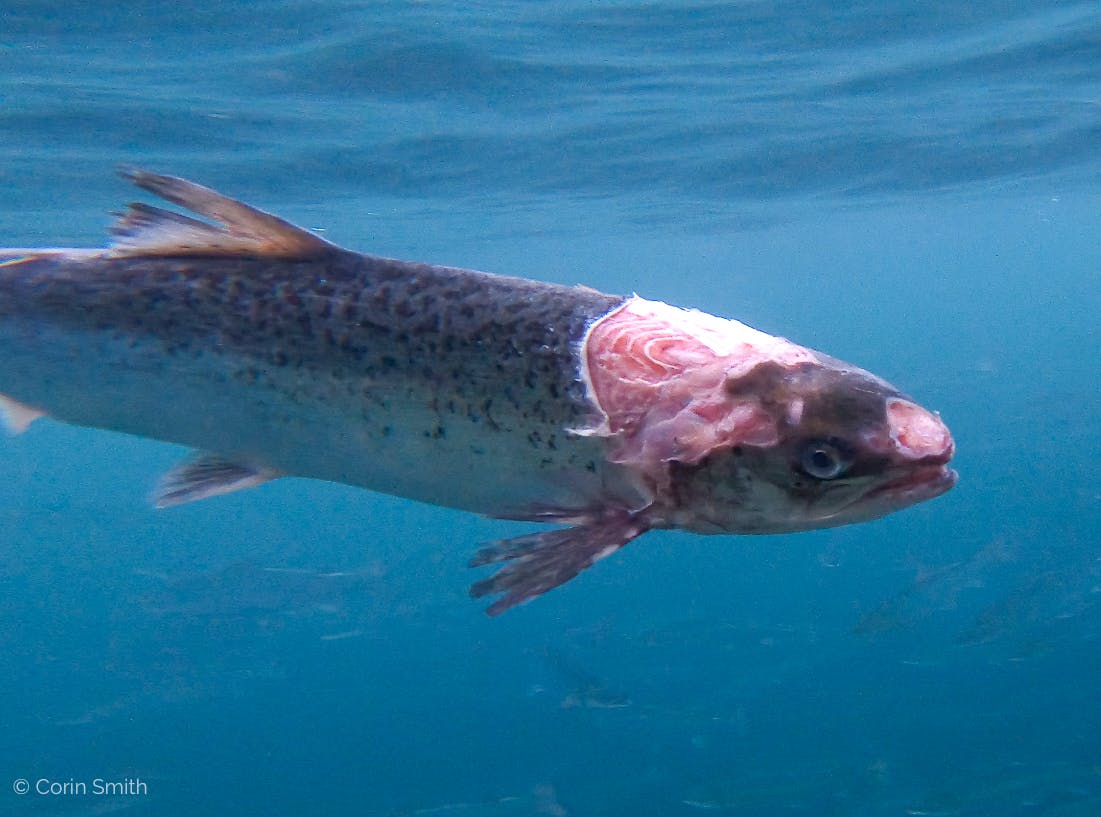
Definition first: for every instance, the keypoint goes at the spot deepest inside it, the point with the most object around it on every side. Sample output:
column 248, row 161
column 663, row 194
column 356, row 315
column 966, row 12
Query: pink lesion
column 662, row 376
column 917, row 433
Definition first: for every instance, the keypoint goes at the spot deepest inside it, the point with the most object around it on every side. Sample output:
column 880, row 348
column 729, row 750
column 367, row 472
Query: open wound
column 666, row 380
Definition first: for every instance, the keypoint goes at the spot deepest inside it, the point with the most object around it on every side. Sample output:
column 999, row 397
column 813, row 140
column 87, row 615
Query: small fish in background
column 244, row 589
column 1023, row 599
column 586, row 690
column 542, row 800
column 546, row 801
column 937, row 589
column 1056, row 597
column 274, row 353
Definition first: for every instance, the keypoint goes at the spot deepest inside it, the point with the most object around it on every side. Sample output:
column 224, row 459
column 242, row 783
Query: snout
column 918, row 434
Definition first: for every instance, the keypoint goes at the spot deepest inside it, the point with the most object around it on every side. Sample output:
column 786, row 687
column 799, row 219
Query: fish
column 586, row 689
column 244, row 589
column 271, row 352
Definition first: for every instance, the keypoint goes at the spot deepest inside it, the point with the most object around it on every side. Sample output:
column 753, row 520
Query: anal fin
column 539, row 562
column 17, row 416
column 207, row 475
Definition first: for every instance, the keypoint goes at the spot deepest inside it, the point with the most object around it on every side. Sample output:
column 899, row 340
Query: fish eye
column 822, row 460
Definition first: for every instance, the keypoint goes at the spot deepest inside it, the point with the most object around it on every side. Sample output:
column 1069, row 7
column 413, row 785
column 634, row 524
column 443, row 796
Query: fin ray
column 207, row 475
column 238, row 229
column 144, row 229
column 539, row 562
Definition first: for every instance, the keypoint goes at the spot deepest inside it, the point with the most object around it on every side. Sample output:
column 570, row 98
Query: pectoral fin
column 539, row 562
column 208, row 475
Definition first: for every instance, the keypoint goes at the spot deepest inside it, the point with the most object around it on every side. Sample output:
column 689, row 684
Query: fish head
column 834, row 445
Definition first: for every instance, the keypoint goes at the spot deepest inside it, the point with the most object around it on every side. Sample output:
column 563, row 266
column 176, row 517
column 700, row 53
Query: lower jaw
column 924, row 485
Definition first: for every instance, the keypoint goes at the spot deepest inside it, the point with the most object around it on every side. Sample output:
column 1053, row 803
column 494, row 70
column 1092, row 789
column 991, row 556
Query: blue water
column 915, row 187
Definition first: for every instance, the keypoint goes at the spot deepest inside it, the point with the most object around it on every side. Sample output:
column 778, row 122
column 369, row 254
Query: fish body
column 279, row 354
column 397, row 377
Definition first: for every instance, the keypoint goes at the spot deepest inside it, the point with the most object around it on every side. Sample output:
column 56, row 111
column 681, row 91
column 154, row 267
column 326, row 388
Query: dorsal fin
column 238, row 228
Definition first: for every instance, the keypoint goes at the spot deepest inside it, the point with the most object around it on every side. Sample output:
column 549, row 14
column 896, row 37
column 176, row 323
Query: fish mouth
column 917, row 485
column 911, row 486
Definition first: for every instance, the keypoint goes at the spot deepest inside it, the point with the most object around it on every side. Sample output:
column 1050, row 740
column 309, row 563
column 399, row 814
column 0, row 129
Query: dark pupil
column 822, row 460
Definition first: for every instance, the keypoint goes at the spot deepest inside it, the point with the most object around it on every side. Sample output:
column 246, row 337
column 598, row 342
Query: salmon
column 273, row 353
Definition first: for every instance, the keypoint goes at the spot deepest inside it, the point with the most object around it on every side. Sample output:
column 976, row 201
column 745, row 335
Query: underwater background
column 911, row 186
